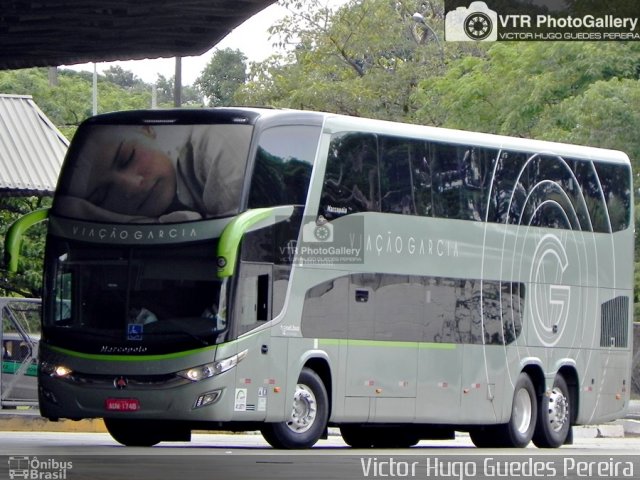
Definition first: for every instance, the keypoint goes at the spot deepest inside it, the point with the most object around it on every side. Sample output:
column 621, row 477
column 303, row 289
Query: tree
column 509, row 89
column 364, row 59
column 27, row 282
column 600, row 116
column 223, row 75
column 124, row 78
column 190, row 96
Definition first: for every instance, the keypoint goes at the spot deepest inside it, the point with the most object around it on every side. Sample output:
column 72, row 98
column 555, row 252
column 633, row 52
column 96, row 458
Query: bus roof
column 335, row 123
column 338, row 123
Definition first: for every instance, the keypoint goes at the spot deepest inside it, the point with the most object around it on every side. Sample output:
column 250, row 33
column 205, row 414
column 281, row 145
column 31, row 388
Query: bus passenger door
column 253, row 307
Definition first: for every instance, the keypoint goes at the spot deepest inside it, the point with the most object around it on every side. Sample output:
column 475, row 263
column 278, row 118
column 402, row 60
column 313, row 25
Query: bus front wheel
column 554, row 416
column 133, row 433
column 517, row 433
column 308, row 418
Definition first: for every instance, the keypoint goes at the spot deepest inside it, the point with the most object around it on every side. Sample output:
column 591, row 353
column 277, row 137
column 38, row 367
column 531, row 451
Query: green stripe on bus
column 129, row 358
column 383, row 343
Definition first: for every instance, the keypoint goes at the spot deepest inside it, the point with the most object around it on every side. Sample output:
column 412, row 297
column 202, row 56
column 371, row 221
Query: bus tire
column 133, row 433
column 484, row 436
column 554, row 416
column 356, row 436
column 308, row 418
column 518, row 432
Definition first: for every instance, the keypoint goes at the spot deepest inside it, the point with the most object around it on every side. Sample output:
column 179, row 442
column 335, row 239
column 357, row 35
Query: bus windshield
column 144, row 173
column 132, row 300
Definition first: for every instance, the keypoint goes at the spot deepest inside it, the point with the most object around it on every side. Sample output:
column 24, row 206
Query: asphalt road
column 95, row 456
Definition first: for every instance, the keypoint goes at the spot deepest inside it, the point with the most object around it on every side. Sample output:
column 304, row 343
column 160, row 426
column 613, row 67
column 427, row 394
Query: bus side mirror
column 13, row 239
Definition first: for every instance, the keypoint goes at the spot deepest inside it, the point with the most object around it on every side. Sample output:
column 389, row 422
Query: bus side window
column 405, row 176
column 616, row 188
column 461, row 180
column 351, row 178
column 396, row 176
column 63, row 298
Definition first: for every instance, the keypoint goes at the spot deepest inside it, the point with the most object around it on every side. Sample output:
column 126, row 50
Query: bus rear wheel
column 518, row 432
column 554, row 416
column 308, row 419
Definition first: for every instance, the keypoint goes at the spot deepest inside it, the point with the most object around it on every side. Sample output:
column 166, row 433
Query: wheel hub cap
column 304, row 410
column 558, row 409
column 522, row 411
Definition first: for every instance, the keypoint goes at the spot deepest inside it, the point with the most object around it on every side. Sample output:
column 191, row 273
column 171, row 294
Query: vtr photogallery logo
column 475, row 23
column 549, row 20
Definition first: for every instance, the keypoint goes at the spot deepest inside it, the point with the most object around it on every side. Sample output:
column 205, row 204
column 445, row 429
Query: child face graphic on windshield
column 129, row 172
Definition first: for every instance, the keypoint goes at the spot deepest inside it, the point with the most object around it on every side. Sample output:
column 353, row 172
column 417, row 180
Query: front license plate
column 122, row 404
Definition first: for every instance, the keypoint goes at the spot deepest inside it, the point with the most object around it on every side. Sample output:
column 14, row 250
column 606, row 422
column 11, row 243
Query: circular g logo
column 549, row 300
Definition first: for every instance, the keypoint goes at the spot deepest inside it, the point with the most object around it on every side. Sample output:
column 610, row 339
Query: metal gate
column 19, row 338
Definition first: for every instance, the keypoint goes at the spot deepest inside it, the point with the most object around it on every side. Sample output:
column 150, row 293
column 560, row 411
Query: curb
column 33, row 422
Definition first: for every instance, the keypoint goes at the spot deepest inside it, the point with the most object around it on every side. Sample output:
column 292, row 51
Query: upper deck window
column 159, row 173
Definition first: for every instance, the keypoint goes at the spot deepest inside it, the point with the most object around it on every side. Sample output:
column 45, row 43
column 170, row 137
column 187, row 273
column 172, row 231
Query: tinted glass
column 405, row 181
column 283, row 166
column 120, row 299
column 351, row 178
column 468, row 182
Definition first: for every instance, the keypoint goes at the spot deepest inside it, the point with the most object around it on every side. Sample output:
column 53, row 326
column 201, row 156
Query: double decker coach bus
column 289, row 271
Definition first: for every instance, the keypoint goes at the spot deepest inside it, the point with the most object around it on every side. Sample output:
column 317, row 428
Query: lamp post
column 95, row 89
column 419, row 18
column 177, row 84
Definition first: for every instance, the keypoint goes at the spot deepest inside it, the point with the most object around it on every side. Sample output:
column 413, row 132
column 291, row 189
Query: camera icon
column 476, row 23
column 319, row 231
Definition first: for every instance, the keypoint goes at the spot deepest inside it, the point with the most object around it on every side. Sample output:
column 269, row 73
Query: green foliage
column 365, row 59
column 509, row 90
column 599, row 116
column 223, row 75
column 123, row 78
column 27, row 282
column 190, row 95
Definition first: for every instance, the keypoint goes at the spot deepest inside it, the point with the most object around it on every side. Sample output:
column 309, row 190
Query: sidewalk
column 29, row 420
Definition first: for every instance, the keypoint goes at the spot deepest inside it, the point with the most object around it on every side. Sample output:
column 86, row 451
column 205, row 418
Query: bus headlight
column 201, row 372
column 59, row 371
column 208, row 370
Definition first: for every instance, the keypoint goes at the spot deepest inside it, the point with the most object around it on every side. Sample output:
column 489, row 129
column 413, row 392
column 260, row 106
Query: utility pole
column 177, row 84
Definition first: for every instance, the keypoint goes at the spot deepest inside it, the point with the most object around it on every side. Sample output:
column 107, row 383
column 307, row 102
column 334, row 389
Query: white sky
column 251, row 38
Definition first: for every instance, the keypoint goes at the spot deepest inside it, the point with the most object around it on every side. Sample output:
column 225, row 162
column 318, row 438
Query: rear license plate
column 122, row 404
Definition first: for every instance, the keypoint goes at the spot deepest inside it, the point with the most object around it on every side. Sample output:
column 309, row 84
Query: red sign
column 122, row 404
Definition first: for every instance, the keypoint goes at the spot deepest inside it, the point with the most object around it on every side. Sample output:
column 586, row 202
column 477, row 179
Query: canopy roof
column 31, row 148
column 38, row 33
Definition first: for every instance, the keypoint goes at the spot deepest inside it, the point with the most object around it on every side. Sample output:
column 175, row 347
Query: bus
column 290, row 271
